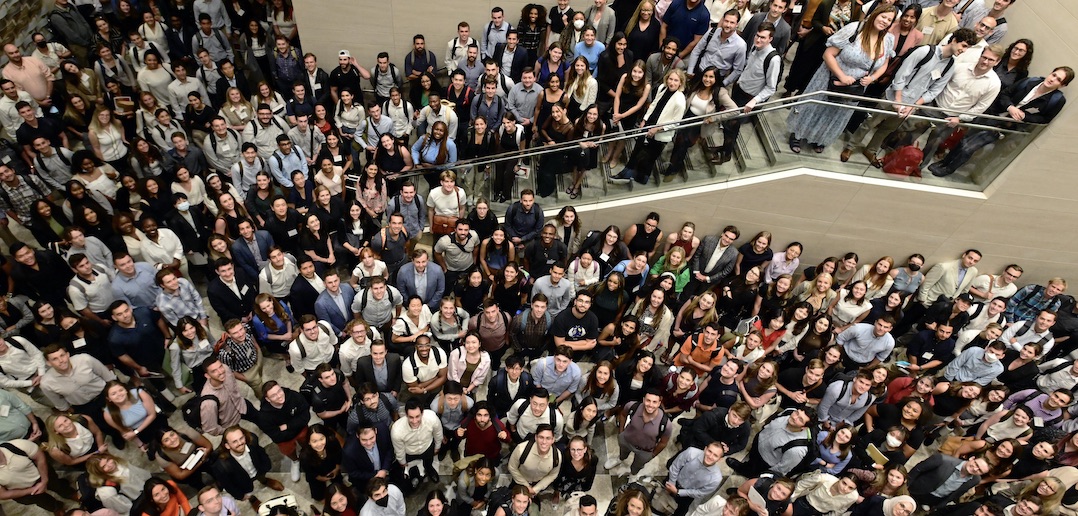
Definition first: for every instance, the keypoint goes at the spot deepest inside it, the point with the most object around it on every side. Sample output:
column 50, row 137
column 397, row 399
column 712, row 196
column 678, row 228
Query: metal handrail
column 765, row 107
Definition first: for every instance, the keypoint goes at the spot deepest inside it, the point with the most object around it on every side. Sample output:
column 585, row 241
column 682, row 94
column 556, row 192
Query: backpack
column 213, row 137
column 553, row 419
column 57, row 36
column 59, row 153
column 192, row 410
column 525, row 316
column 767, row 64
column 926, row 58
column 88, row 493
column 14, row 340
column 392, row 72
column 809, row 443
column 528, row 449
column 694, row 343
column 254, row 127
column 415, row 366
column 217, row 35
column 904, row 161
column 662, row 422
column 303, row 349
column 33, row 186
column 1025, row 329
column 366, row 296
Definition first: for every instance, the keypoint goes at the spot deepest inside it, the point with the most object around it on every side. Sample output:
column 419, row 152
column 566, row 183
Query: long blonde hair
column 95, row 124
column 57, row 441
column 98, row 476
column 579, row 81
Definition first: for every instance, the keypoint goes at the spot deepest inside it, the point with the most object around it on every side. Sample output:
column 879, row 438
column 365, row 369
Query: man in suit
column 232, row 293
column 519, row 59
column 945, row 279
column 422, row 278
column 251, row 251
column 239, row 445
column 380, row 364
column 367, row 455
column 942, row 479
column 306, row 288
column 712, row 262
column 334, row 304
column 230, row 77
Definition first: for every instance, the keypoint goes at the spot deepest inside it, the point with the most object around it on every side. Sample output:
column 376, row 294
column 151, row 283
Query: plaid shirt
column 1029, row 301
column 240, row 356
column 21, row 198
column 185, row 301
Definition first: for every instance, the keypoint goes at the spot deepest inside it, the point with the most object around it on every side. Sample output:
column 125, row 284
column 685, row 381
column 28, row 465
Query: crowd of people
column 181, row 161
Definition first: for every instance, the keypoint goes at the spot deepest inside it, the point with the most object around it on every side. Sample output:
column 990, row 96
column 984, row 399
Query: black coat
column 928, row 475
column 498, row 391
column 225, row 302
column 357, row 464
column 231, row 476
column 365, row 371
column 295, row 414
column 193, row 238
column 302, row 297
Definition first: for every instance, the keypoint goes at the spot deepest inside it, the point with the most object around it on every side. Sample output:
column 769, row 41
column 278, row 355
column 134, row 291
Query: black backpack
column 809, row 443
column 553, row 420
column 528, row 449
column 662, row 422
column 192, row 410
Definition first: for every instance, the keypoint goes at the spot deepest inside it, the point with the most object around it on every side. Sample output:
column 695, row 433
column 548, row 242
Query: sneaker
column 433, row 476
column 938, row 170
column 295, row 470
column 612, row 463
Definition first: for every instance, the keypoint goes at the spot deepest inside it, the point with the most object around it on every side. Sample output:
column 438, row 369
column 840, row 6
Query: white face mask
column 579, row 24
column 183, row 206
column 893, row 441
column 991, row 358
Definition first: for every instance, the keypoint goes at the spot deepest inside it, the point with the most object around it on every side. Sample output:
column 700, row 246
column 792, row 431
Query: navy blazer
column 224, row 300
column 435, row 284
column 241, row 254
column 326, row 310
column 520, row 60
column 357, row 464
column 1040, row 111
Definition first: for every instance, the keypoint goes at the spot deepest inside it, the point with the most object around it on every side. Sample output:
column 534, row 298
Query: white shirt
column 165, row 250
column 714, row 260
column 969, row 92
column 244, row 460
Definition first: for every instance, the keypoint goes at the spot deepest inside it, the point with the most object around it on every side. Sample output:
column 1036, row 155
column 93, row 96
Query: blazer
column 435, row 284
column 365, row 372
column 194, row 237
column 225, row 302
column 672, row 113
column 520, row 60
column 702, row 256
column 1040, row 111
column 357, row 464
column 231, row 475
column 302, row 297
column 322, row 79
column 241, row 254
column 241, row 83
column 929, row 474
column 326, row 310
column 941, row 280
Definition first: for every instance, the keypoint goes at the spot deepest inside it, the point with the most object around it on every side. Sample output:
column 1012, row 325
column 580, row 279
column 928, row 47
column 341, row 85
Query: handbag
column 445, row 224
column 854, row 89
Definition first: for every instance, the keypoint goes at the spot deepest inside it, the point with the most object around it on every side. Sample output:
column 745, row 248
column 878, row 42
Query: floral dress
column 821, row 124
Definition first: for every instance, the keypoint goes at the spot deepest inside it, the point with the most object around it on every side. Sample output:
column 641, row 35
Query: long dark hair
column 148, row 505
column 1023, row 64
column 334, row 489
column 698, row 85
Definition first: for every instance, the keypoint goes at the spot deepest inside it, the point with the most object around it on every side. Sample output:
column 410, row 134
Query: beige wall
column 1029, row 216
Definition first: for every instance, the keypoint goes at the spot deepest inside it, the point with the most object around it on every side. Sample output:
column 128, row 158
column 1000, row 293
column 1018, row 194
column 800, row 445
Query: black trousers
column 731, row 128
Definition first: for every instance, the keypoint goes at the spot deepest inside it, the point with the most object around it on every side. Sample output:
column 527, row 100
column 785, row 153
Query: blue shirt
column 590, row 53
column 141, row 290
column 685, row 24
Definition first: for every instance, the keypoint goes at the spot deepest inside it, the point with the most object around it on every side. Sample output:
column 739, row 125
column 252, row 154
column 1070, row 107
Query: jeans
column 974, row 141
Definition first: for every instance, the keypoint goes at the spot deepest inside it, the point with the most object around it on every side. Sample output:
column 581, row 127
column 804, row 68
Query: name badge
column 338, row 158
column 243, row 291
column 224, row 146
column 316, row 86
column 928, row 356
column 1033, row 111
column 186, row 448
column 646, row 320
column 798, row 8
column 550, row 262
column 604, row 257
column 6, row 159
column 936, row 74
column 357, row 232
column 5, row 410
column 78, row 343
column 203, row 344
column 241, row 112
column 927, row 31
column 293, row 232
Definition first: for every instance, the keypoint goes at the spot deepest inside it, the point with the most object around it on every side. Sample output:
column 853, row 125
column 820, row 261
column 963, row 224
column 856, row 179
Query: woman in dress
column 320, row 460
column 737, row 297
column 259, row 201
column 702, row 97
column 613, row 64
column 155, row 79
column 510, row 288
column 662, row 116
column 96, row 175
column 557, row 130
column 656, row 319
column 851, row 58
column 478, row 143
column 283, row 20
column 835, row 450
column 77, row 118
column 257, row 47
column 229, row 214
column 775, row 296
column 273, row 325
column 583, row 89
column 532, row 28
column 679, row 391
column 552, row 94
column 636, row 375
column 587, row 126
column 314, row 241
column 829, row 18
column 73, row 439
column 695, row 314
column 155, row 202
column 609, row 298
column 434, row 149
column 906, row 280
column 47, row 222
column 551, row 64
column 643, row 30
column 629, row 100
column 190, row 347
column 471, row 291
column 393, row 159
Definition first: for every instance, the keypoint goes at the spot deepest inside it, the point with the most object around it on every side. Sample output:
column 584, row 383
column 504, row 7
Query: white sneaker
column 612, row 463
column 295, row 470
